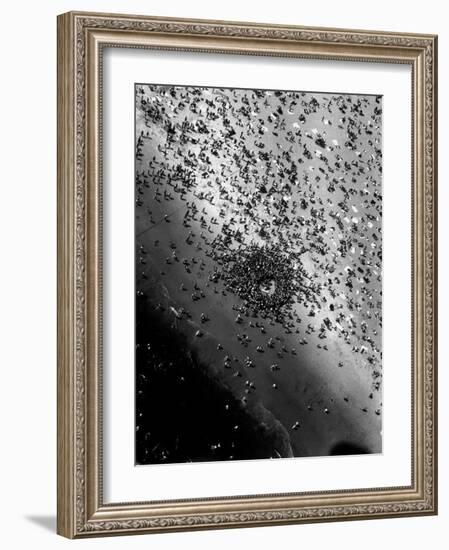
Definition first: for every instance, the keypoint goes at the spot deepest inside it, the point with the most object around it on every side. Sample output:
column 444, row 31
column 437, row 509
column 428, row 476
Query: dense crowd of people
column 281, row 195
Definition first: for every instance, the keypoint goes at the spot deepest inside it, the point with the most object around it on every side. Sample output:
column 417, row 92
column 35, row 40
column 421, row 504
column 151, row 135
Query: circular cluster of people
column 263, row 277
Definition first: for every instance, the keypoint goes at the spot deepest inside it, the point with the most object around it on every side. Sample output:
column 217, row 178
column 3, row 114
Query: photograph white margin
column 122, row 480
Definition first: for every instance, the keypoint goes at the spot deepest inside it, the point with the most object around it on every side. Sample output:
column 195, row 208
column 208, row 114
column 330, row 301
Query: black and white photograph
column 246, row 320
column 258, row 233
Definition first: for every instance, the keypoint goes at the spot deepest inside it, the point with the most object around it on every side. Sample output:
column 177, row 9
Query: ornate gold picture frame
column 82, row 39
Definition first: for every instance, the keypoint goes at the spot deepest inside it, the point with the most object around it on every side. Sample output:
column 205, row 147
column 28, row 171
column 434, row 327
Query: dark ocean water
column 183, row 413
